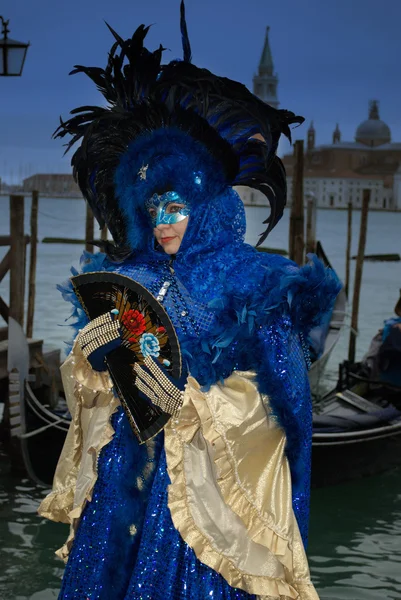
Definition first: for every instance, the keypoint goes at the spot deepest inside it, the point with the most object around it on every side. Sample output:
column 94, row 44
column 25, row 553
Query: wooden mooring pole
column 103, row 235
column 296, row 234
column 32, row 264
column 17, row 259
column 311, row 209
column 348, row 251
column 11, row 416
column 358, row 275
column 89, row 229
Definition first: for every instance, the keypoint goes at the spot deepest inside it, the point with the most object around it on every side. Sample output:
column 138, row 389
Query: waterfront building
column 335, row 174
column 50, row 184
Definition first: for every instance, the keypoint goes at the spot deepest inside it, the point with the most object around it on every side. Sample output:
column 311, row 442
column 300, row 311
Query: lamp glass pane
column 15, row 60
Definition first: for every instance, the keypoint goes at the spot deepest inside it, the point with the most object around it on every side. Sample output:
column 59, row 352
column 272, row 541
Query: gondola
column 37, row 430
column 357, row 430
column 45, row 432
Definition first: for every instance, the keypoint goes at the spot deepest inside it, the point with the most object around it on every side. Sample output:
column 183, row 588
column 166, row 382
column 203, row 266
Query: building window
column 331, row 200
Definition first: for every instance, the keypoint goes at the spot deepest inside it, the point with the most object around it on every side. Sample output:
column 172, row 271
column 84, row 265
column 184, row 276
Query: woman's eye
column 174, row 208
column 152, row 213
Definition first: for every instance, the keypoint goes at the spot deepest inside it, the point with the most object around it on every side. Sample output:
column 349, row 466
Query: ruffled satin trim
column 91, row 403
column 261, row 526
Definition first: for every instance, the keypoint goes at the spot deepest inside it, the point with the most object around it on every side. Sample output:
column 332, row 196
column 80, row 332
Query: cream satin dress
column 230, row 493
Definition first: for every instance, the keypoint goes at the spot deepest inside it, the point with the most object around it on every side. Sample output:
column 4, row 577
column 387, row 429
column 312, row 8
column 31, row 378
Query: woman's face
column 170, row 219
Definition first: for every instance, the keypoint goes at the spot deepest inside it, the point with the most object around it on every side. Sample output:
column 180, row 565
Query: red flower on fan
column 134, row 321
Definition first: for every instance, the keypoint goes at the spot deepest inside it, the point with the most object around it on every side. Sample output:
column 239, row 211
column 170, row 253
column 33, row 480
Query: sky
column 331, row 57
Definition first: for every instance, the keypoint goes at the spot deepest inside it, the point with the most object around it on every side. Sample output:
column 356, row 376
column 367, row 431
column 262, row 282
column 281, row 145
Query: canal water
column 355, row 531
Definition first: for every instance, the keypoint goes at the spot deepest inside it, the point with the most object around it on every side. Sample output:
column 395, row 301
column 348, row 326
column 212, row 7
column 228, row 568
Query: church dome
column 373, row 131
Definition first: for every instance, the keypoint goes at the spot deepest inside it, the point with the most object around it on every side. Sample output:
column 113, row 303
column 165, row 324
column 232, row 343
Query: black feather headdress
column 144, row 96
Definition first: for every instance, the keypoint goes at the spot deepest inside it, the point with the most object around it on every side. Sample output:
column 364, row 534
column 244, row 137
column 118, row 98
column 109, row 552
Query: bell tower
column 336, row 135
column 266, row 80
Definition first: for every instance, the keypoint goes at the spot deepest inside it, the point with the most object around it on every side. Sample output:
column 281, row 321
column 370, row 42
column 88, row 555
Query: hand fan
column 146, row 330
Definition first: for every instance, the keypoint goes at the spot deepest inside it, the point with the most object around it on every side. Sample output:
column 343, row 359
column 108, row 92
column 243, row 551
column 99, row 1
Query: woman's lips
column 165, row 240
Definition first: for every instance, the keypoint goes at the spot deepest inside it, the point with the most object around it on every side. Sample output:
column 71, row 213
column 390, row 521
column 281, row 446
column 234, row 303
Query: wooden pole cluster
column 17, row 259
column 348, row 251
column 296, row 234
column 32, row 264
column 358, row 275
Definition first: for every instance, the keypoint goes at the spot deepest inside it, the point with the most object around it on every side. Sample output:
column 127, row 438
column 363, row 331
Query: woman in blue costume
column 215, row 506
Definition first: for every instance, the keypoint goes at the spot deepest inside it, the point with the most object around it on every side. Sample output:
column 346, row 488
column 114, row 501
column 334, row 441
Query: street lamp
column 12, row 54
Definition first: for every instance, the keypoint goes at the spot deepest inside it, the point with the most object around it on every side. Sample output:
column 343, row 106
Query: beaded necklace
column 170, row 286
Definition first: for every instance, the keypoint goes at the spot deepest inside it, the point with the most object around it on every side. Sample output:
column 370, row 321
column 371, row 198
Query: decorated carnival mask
column 166, row 209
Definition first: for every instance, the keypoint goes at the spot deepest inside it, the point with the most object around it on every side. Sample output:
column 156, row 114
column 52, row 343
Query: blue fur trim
column 173, row 158
column 310, row 292
column 88, row 263
column 305, row 295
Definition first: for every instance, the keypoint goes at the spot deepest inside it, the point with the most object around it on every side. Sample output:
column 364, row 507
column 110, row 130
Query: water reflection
column 354, row 550
column 29, row 569
column 355, row 539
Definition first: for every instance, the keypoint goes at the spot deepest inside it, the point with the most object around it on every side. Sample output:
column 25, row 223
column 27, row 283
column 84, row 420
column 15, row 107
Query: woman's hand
column 164, row 391
column 98, row 338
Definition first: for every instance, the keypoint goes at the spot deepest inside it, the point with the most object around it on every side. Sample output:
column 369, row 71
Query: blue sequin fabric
column 126, row 547
column 166, row 567
column 107, row 540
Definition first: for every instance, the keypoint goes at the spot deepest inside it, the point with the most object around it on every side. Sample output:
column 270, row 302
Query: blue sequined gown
column 126, row 546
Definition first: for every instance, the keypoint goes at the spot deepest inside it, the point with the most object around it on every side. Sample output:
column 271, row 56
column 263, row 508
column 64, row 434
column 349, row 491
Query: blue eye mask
column 162, row 209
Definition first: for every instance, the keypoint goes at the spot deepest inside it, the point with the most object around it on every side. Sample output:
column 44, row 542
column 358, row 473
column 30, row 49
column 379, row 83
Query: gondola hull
column 42, row 450
column 341, row 457
column 357, row 431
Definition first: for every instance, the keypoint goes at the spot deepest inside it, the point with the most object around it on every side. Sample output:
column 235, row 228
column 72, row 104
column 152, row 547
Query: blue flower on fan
column 149, row 345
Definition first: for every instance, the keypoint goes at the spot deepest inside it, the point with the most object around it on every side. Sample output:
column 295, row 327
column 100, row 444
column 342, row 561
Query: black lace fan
column 146, row 330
